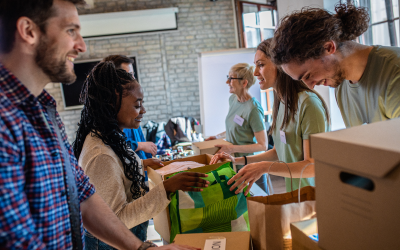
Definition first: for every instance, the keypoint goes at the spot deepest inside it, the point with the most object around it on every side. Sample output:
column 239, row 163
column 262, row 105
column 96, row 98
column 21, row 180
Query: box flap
column 210, row 144
column 372, row 149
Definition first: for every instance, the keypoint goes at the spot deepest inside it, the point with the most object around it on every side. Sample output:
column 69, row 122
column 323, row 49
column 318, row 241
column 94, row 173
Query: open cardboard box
column 357, row 175
column 207, row 147
column 301, row 231
column 234, row 240
column 162, row 222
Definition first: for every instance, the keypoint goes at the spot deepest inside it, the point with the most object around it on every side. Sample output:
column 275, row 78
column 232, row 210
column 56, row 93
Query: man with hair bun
column 45, row 196
column 317, row 47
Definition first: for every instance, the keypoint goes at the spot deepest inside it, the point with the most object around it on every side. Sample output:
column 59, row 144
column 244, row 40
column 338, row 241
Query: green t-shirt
column 376, row 97
column 253, row 116
column 310, row 119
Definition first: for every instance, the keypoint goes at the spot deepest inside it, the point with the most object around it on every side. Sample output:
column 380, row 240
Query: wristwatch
column 146, row 245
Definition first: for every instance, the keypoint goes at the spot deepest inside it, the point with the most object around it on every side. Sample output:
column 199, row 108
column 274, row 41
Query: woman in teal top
column 245, row 127
column 298, row 112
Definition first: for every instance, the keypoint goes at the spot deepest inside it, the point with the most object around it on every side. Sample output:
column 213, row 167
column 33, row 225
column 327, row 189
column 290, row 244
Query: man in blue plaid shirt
column 45, row 197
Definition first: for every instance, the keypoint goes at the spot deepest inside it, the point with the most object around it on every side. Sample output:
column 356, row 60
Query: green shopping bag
column 215, row 209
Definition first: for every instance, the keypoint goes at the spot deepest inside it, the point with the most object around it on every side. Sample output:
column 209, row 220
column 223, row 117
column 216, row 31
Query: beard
column 339, row 74
column 55, row 68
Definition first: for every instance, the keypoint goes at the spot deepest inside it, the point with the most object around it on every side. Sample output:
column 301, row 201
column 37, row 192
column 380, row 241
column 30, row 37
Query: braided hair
column 101, row 94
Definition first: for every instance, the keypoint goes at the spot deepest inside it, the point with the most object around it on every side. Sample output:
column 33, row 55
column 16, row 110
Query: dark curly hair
column 302, row 34
column 287, row 91
column 101, row 95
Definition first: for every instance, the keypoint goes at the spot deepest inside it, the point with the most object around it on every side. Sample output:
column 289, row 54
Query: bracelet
column 146, row 245
column 245, row 160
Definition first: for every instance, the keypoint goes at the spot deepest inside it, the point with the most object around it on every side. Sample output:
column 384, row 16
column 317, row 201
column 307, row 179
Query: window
column 384, row 22
column 256, row 23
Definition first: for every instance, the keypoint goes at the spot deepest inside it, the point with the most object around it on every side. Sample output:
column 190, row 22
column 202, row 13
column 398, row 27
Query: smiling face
column 235, row 85
column 60, row 44
column 265, row 70
column 131, row 112
column 324, row 71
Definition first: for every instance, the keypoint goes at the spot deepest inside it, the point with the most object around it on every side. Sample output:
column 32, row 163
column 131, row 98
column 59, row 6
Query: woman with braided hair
column 113, row 101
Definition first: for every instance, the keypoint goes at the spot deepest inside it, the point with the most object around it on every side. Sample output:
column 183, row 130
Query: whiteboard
column 214, row 92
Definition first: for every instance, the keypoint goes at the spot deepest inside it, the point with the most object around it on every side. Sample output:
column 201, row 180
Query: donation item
column 357, row 176
column 215, row 209
column 207, row 147
column 162, row 222
column 178, row 166
column 270, row 217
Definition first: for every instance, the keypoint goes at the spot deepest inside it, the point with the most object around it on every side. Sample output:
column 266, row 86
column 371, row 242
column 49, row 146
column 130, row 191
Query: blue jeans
column 92, row 243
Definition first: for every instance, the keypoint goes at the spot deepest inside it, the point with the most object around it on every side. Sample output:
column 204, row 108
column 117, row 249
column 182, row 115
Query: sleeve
column 392, row 100
column 17, row 227
column 131, row 139
column 312, row 117
column 109, row 185
column 256, row 119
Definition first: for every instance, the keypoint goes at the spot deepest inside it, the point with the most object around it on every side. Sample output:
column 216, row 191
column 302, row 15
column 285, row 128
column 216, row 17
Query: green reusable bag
column 215, row 209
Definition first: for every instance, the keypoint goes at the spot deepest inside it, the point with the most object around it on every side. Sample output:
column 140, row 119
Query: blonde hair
column 245, row 71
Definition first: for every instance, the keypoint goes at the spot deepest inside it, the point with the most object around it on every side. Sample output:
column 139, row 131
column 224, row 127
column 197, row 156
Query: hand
column 174, row 247
column 147, row 147
column 224, row 148
column 221, row 156
column 186, row 181
column 211, row 138
column 152, row 162
column 247, row 176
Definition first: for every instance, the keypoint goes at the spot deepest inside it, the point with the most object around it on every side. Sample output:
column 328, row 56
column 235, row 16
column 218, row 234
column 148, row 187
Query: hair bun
column 354, row 21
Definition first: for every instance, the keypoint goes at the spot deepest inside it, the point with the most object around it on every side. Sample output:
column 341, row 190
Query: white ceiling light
column 128, row 22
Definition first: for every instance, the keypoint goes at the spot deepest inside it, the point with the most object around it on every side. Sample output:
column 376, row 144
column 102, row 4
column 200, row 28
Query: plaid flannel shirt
column 34, row 211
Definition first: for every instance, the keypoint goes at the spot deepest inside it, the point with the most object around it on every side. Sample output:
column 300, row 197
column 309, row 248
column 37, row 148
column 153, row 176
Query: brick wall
column 167, row 61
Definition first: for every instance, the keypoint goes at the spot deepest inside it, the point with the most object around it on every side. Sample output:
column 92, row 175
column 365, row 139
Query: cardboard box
column 300, row 235
column 162, row 223
column 234, row 240
column 207, row 147
column 358, row 186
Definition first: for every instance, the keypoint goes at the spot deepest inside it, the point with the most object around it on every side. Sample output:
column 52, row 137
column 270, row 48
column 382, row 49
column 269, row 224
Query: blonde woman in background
column 244, row 124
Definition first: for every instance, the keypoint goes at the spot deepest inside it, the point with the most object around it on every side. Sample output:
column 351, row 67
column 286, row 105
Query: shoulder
column 93, row 148
column 308, row 98
column 11, row 123
column 385, row 56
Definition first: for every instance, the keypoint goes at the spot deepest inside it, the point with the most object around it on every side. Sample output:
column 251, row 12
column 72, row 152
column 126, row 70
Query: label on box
column 283, row 136
column 216, row 243
column 238, row 120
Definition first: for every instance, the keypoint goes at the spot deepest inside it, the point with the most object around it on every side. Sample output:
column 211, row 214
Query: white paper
column 212, row 244
column 238, row 120
column 283, row 136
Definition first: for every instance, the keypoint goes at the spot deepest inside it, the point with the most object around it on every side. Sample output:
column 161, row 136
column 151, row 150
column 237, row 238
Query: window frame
column 240, row 24
column 367, row 37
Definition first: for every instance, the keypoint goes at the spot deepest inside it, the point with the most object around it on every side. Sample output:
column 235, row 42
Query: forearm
column 221, row 135
column 144, row 208
column 100, row 221
column 251, row 148
column 269, row 155
column 280, row 169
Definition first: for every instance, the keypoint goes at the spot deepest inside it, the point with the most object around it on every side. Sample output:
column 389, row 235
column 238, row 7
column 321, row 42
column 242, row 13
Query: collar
column 17, row 93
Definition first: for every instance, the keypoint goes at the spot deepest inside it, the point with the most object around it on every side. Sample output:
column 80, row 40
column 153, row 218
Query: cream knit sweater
column 106, row 173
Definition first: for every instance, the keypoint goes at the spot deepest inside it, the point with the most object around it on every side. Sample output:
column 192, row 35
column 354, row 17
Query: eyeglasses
column 230, row 78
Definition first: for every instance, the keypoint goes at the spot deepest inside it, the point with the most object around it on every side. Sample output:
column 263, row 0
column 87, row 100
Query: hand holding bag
column 215, row 209
column 270, row 216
